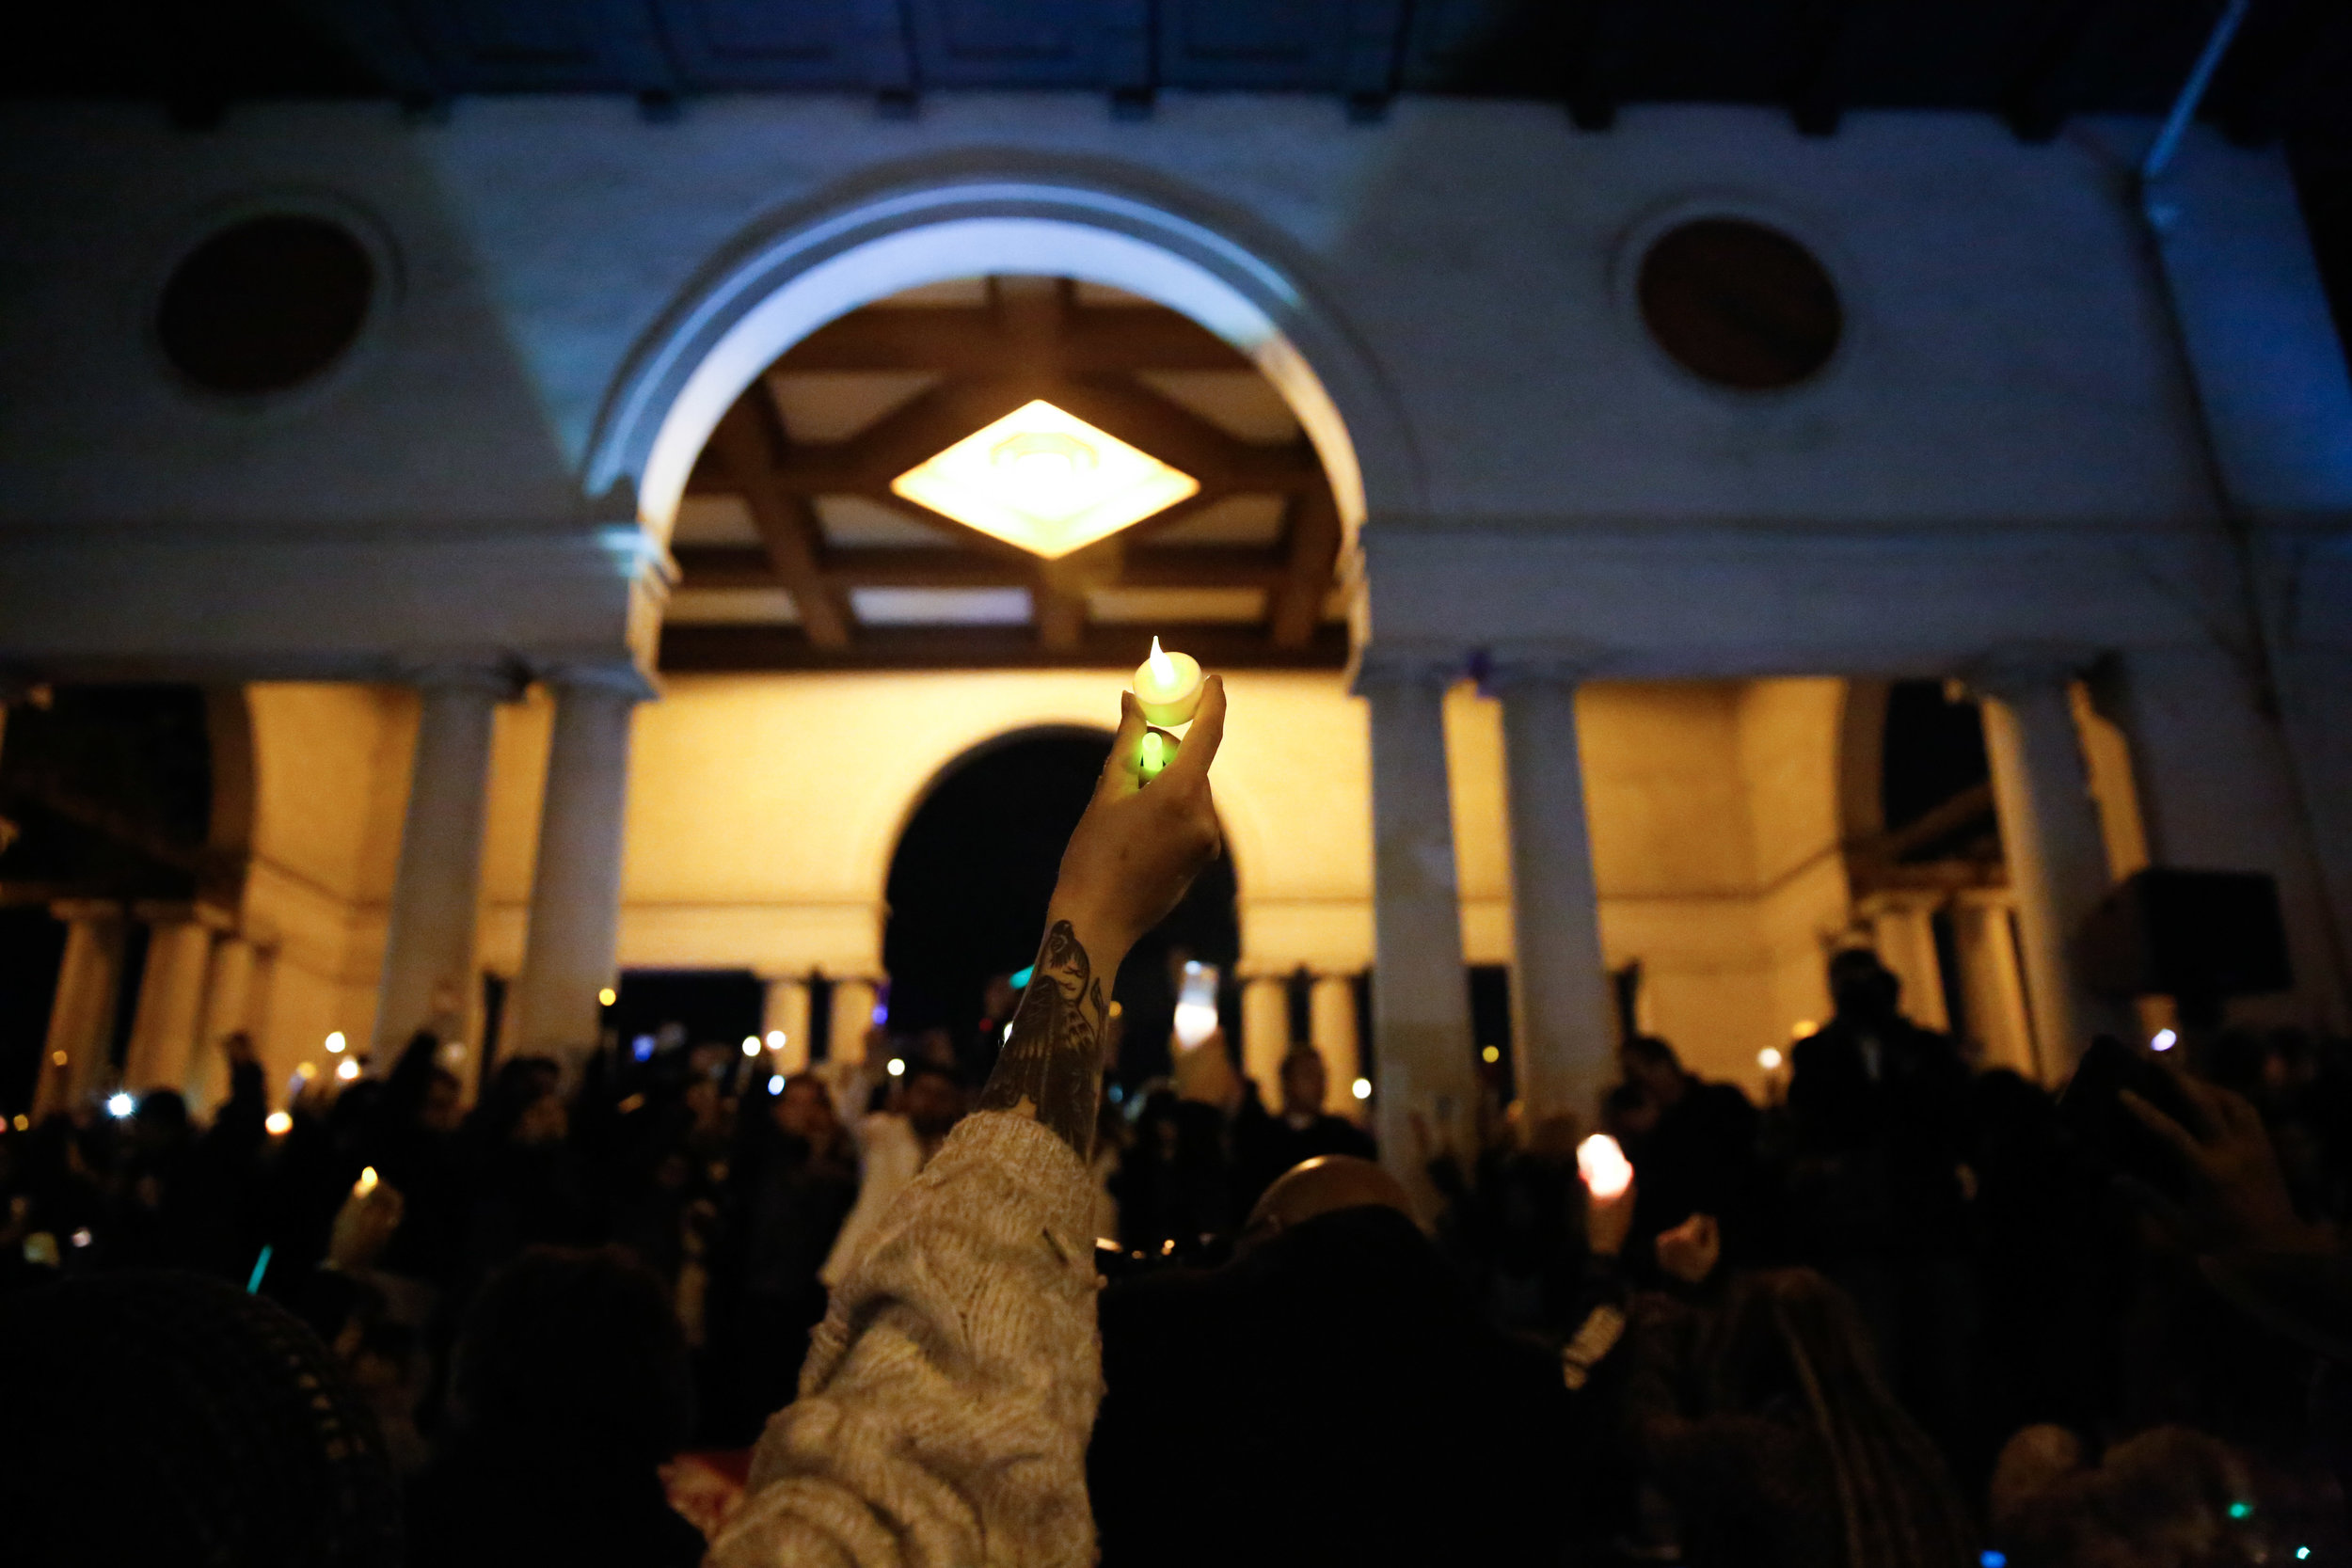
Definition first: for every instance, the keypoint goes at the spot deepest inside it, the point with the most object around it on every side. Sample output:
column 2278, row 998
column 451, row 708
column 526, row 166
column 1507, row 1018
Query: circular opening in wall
column 1740, row 304
column 265, row 305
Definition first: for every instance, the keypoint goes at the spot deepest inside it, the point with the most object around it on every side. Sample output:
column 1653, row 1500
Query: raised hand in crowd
column 2238, row 1197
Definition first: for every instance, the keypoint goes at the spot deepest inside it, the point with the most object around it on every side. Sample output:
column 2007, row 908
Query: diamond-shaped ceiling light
column 1045, row 481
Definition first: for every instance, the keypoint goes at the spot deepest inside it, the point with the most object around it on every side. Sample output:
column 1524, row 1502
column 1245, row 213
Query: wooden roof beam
column 786, row 524
column 1297, row 607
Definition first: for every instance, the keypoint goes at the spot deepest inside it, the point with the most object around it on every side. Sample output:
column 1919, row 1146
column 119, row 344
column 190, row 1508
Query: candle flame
column 366, row 1183
column 1162, row 666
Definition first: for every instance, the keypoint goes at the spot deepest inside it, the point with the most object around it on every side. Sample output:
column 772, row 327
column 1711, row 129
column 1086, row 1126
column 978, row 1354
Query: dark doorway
column 32, row 949
column 970, row 882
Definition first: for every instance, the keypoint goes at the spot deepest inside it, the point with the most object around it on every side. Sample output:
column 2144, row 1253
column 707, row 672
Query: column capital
column 172, row 912
column 618, row 677
column 498, row 678
column 73, row 909
column 1387, row 666
column 2017, row 669
column 1548, row 662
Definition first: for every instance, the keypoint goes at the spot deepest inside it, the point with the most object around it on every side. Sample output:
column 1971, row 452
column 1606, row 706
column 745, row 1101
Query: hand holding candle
column 1167, row 689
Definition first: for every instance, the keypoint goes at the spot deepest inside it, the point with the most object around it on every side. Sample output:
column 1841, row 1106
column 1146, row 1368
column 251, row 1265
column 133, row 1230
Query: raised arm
column 948, row 1394
column 1135, row 853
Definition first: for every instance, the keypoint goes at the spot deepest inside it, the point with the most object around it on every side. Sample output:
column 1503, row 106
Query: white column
column 1902, row 930
column 2050, row 837
column 171, row 998
column 1985, row 944
column 226, row 985
column 2217, row 794
column 852, row 1015
column 74, row 1067
column 429, row 938
column 1265, row 1033
column 786, row 1013
column 1331, row 1027
column 1420, row 999
column 1564, row 1035
column 570, row 951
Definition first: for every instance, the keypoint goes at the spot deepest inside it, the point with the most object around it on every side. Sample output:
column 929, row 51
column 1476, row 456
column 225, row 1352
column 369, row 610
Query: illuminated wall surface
column 2011, row 454
column 763, row 811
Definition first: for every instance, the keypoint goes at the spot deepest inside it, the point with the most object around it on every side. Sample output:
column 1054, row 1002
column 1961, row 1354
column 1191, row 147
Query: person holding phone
column 949, row 1395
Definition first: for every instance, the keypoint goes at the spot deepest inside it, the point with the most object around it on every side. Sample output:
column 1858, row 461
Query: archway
column 806, row 268
column 970, row 878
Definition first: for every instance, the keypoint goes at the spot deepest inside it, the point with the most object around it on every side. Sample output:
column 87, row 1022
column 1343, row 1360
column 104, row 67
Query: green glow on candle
column 1153, row 756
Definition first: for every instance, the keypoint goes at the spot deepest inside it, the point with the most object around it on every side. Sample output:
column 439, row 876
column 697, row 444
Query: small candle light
column 366, row 1183
column 1168, row 687
column 1606, row 1171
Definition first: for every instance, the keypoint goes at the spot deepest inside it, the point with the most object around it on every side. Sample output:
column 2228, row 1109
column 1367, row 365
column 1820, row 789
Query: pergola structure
column 795, row 553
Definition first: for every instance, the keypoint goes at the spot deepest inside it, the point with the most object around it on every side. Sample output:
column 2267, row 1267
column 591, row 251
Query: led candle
column 1604, row 1166
column 1168, row 687
column 366, row 1183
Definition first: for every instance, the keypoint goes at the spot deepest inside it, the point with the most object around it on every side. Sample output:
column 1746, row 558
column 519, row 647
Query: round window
column 265, row 305
column 1738, row 304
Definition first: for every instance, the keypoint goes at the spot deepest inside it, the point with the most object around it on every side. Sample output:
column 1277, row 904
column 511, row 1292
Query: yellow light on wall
column 1045, row 480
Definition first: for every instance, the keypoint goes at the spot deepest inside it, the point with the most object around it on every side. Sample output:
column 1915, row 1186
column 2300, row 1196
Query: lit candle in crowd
column 1168, row 687
column 1603, row 1165
column 366, row 1183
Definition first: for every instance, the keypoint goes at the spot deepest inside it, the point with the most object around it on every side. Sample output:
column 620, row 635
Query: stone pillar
column 852, row 1015
column 2217, row 794
column 786, row 1013
column 2051, row 838
column 171, row 998
column 1265, row 1033
column 1563, row 1034
column 1420, row 1008
column 227, row 986
column 429, row 936
column 1985, row 947
column 570, row 951
column 1902, row 930
column 73, row 1068
column 1331, row 1026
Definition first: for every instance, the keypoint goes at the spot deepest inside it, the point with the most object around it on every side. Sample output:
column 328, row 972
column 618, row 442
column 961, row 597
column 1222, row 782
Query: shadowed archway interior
column 970, row 880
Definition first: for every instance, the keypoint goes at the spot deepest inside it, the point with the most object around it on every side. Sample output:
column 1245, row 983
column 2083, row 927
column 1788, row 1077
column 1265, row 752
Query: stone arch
column 805, row 268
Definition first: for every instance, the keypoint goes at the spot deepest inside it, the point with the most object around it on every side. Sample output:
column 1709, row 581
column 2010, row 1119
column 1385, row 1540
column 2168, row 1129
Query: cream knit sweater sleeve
column 948, row 1396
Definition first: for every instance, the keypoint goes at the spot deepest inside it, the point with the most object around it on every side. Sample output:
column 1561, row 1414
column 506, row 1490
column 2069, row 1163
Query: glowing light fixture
column 897, row 1068
column 775, row 1040
column 1361, row 1089
column 2165, row 1039
column 119, row 1105
column 335, row 1043
column 279, row 1123
column 750, row 1045
column 1045, row 480
column 1768, row 1058
column 348, row 1070
column 607, row 997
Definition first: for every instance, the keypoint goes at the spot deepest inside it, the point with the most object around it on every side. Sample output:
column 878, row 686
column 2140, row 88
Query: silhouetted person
column 1300, row 1131
column 1331, row 1396
column 1879, row 1113
column 167, row 1418
column 795, row 1179
column 1767, row 1427
column 1697, row 1157
column 570, row 1388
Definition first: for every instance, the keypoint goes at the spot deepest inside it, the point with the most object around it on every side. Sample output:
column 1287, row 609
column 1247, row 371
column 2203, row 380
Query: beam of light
column 261, row 1267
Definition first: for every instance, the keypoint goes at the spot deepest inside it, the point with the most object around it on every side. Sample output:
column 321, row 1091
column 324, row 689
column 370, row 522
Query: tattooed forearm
column 1052, row 1065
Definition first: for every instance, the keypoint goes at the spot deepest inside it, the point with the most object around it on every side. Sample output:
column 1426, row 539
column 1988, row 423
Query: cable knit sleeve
column 948, row 1396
